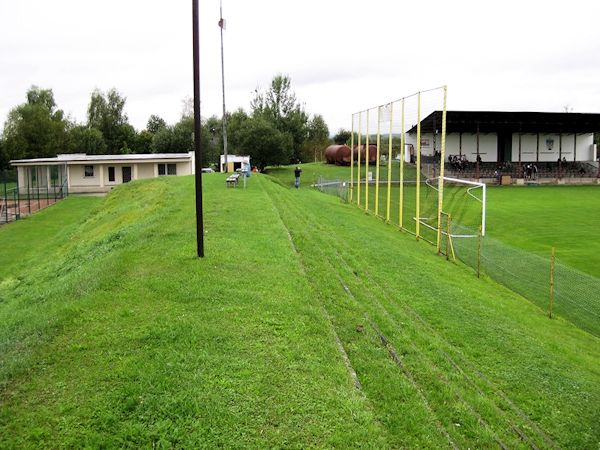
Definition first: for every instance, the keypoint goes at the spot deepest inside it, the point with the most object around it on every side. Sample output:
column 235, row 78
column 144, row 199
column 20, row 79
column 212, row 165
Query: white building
column 234, row 162
column 81, row 173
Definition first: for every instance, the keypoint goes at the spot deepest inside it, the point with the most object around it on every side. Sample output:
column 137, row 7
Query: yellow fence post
column 479, row 236
column 358, row 156
column 401, row 206
column 352, row 161
column 389, row 172
column 448, row 238
column 418, row 183
column 367, row 165
column 377, row 162
column 552, row 268
column 441, row 179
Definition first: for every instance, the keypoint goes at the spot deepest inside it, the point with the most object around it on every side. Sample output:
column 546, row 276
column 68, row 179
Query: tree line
column 275, row 131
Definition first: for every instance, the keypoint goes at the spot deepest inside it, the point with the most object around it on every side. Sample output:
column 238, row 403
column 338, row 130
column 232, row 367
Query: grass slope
column 121, row 337
column 308, row 324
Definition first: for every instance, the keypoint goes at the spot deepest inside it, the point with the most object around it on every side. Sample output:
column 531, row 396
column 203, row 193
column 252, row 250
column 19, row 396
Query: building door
column 504, row 147
column 126, row 174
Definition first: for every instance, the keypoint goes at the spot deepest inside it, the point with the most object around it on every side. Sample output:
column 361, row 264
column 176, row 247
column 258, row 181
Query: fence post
column 552, row 268
column 448, row 238
column 5, row 201
column 479, row 252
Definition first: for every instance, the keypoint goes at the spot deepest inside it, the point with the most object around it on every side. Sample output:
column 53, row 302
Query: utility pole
column 222, row 26
column 197, row 131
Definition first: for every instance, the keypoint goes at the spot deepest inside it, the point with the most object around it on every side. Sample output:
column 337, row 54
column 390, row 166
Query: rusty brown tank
column 363, row 153
column 338, row 155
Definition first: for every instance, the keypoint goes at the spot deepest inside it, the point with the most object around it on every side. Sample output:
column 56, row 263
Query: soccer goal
column 463, row 200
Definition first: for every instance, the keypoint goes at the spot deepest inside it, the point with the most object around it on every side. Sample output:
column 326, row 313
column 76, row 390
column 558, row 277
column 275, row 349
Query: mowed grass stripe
column 398, row 405
column 504, row 317
column 160, row 348
column 406, row 370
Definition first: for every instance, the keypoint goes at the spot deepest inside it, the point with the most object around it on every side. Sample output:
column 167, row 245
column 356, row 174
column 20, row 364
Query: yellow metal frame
column 441, row 179
column 389, row 172
column 418, row 185
column 377, row 162
column 402, row 156
column 358, row 156
column 352, row 162
column 367, row 165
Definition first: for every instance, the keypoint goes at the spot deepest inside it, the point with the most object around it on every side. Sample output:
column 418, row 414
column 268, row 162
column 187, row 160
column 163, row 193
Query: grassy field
column 537, row 218
column 531, row 218
column 294, row 331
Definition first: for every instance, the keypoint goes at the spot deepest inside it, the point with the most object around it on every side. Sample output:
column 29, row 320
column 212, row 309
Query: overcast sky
column 342, row 56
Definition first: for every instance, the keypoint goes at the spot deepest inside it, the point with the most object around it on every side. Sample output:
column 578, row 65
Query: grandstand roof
column 511, row 122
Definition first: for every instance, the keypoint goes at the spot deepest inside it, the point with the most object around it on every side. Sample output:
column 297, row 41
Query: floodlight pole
column 224, row 120
column 197, row 131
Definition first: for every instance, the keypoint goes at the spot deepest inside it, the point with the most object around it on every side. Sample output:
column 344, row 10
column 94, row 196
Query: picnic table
column 232, row 180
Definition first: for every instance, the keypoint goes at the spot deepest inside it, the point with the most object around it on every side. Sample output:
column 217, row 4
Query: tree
column 155, row 124
column 36, row 128
column 342, row 137
column 87, row 140
column 264, row 143
column 280, row 107
column 3, row 156
column 317, row 139
column 106, row 114
column 235, row 122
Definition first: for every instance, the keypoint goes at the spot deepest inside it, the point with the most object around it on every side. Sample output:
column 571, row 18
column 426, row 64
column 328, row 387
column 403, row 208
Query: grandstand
column 487, row 144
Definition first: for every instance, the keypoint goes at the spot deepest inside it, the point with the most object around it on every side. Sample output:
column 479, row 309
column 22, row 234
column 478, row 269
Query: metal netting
column 397, row 152
column 575, row 296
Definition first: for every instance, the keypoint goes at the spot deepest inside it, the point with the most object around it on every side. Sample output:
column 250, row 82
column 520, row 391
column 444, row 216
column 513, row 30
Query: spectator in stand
column 534, row 170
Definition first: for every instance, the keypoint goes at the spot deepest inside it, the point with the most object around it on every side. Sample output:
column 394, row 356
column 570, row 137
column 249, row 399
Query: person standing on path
column 297, row 173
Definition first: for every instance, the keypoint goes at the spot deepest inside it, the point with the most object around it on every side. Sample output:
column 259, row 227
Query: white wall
column 488, row 146
column 77, row 178
column 146, row 170
column 529, row 142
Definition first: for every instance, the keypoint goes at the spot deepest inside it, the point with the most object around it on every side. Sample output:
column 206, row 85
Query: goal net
column 463, row 201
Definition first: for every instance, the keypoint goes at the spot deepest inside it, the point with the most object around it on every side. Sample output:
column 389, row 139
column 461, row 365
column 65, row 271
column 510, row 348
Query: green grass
column 116, row 335
column 531, row 218
column 538, row 218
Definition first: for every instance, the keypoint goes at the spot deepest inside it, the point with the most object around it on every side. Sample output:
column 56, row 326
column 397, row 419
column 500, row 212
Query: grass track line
column 407, row 373
column 410, row 378
column 460, row 370
column 324, row 311
column 523, row 436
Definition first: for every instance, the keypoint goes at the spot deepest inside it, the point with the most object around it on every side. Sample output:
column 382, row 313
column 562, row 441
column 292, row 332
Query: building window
column 88, row 171
column 167, row 169
column 111, row 174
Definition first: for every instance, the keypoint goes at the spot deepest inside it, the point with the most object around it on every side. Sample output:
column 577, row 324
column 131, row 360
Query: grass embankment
column 121, row 337
column 133, row 341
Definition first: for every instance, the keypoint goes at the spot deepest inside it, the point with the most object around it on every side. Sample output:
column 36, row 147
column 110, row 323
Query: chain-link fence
column 575, row 296
column 35, row 188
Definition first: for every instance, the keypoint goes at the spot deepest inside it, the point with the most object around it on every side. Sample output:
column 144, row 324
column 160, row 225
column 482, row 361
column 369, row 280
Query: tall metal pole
column 197, row 131
column 222, row 26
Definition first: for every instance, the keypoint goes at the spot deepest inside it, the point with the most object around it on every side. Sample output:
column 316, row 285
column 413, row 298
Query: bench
column 232, row 180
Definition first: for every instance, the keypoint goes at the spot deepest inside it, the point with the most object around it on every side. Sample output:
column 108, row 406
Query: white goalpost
column 462, row 202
